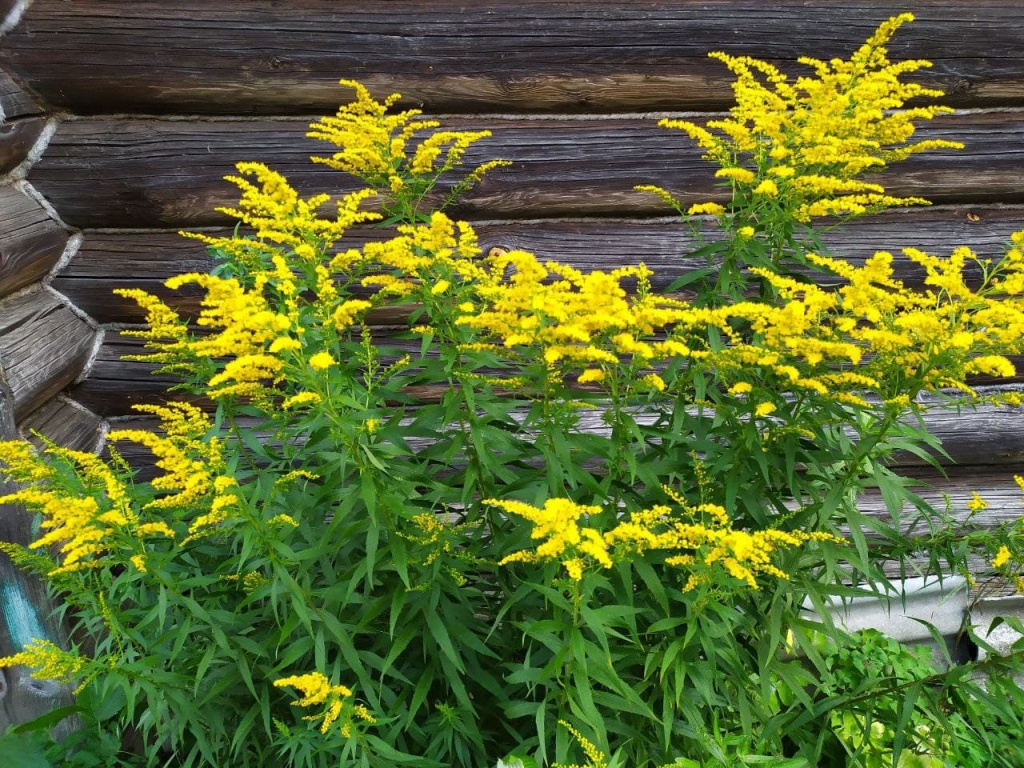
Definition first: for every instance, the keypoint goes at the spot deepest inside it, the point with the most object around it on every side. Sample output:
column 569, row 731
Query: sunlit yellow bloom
column 299, row 400
column 47, row 661
column 595, row 757
column 321, row 361
column 1002, row 557
column 819, row 132
column 317, row 690
column 741, row 175
column 710, row 209
column 565, row 540
column 373, row 144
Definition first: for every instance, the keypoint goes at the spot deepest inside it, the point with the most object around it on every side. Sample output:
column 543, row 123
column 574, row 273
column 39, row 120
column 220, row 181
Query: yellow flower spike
column 1002, row 557
column 653, row 381
column 819, row 132
column 595, row 757
column 740, row 175
column 321, row 361
column 47, row 661
column 557, row 522
column 316, row 689
column 709, row 209
column 300, row 400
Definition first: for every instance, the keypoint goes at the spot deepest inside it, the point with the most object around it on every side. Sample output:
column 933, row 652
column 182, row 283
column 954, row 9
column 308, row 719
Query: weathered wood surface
column 14, row 102
column 270, row 57
column 986, row 435
column 165, row 173
column 994, row 483
column 16, row 140
column 25, row 610
column 31, row 243
column 114, row 385
column 65, row 422
column 43, row 347
column 144, row 259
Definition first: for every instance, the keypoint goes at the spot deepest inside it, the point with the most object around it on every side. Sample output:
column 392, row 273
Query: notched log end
column 65, row 422
column 14, row 102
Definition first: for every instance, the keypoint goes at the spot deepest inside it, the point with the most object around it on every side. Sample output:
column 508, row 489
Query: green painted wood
column 25, row 609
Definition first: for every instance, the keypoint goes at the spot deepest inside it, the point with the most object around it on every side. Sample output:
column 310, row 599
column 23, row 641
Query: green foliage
column 550, row 519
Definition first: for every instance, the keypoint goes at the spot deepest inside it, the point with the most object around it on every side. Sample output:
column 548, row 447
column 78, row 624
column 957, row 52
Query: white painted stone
column 986, row 611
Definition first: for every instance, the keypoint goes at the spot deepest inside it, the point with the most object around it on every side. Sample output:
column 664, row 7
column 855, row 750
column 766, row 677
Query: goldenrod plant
column 418, row 550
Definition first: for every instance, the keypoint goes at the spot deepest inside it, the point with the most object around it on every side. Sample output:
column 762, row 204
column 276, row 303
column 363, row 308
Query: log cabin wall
column 122, row 118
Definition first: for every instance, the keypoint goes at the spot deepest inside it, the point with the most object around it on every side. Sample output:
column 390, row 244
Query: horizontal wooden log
column 31, row 243
column 17, row 139
column 244, row 56
column 64, row 422
column 952, row 491
column 985, row 435
column 114, row 385
column 44, row 346
column 14, row 102
column 994, row 483
column 161, row 173
column 110, row 259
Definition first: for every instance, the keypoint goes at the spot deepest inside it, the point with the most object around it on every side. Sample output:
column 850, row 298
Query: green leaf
column 23, row 750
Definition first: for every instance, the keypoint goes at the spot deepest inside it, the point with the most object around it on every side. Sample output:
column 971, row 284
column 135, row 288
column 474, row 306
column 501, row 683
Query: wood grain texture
column 118, row 259
column 161, row 173
column 43, row 348
column 31, row 243
column 985, row 435
column 64, row 422
column 114, row 385
column 17, row 139
column 14, row 102
column 993, row 481
column 272, row 57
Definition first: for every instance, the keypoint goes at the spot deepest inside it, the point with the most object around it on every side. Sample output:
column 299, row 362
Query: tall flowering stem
column 793, row 150
column 546, row 502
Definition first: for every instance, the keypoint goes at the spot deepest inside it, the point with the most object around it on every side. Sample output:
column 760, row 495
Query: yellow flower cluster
column 872, row 334
column 85, row 517
column 595, row 757
column 250, row 328
column 280, row 317
column 316, row 690
column 277, row 213
column 804, row 142
column 374, row 146
column 940, row 335
column 558, row 522
column 47, row 661
column 421, row 251
column 584, row 320
column 702, row 534
column 196, row 476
